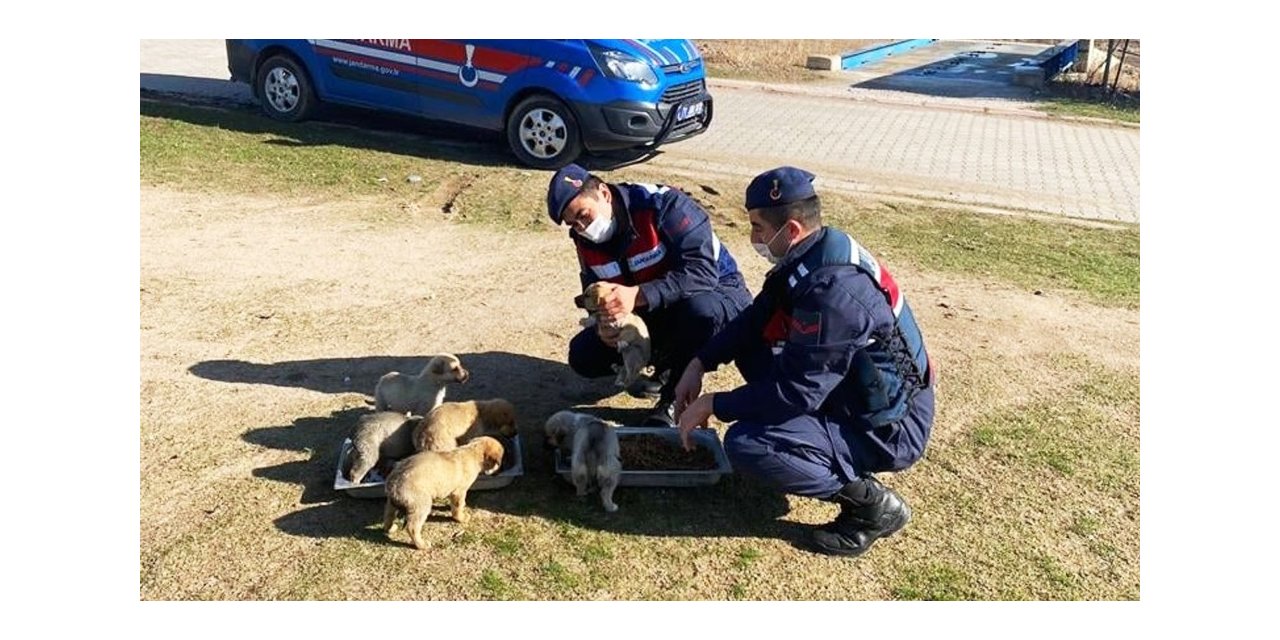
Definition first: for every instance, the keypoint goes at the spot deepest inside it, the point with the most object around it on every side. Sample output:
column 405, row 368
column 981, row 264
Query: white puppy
column 421, row 393
column 593, row 446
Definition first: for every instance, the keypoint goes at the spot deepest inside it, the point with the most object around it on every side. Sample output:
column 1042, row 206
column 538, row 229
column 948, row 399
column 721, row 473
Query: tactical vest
column 886, row 374
column 643, row 259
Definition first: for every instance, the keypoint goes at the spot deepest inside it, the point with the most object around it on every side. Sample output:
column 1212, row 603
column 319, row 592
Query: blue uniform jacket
column 835, row 311
column 694, row 260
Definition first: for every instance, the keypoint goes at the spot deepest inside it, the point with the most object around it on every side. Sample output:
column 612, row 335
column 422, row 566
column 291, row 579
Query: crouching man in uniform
column 656, row 245
column 838, row 381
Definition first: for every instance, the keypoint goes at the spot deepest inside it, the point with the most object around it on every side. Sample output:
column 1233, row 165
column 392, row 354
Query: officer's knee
column 700, row 315
column 742, row 443
column 588, row 359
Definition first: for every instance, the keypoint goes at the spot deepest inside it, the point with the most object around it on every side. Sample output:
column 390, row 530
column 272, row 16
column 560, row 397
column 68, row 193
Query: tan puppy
column 421, row 393
column 593, row 447
column 633, row 334
column 454, row 423
column 418, row 480
column 379, row 438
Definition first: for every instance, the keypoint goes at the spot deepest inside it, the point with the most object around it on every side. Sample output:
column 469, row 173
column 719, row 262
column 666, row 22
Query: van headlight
column 624, row 66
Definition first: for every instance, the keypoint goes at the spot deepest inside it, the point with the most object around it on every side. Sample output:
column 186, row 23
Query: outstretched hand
column 689, row 387
column 694, row 416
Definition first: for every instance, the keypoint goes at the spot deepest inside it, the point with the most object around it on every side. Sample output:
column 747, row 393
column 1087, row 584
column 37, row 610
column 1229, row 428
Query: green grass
column 933, row 582
column 242, row 152
column 1091, row 109
column 494, row 586
column 1102, row 263
column 746, row 557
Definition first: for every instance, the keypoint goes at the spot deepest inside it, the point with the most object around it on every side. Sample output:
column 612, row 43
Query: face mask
column 762, row 248
column 600, row 229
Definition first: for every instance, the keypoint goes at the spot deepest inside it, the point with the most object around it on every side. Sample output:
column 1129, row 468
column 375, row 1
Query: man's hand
column 608, row 335
column 696, row 415
column 621, row 301
column 689, row 387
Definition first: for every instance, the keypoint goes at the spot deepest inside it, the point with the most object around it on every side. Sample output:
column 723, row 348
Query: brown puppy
column 454, row 423
column 418, row 480
column 378, row 439
column 421, row 393
column 633, row 334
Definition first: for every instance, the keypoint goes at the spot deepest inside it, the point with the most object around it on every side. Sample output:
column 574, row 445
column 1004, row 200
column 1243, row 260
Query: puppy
column 418, row 480
column 454, row 423
column 421, row 393
column 633, row 334
column 379, row 438
column 593, row 446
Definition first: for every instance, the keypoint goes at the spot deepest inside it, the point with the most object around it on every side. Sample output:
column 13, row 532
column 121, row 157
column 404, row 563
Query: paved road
column 1008, row 162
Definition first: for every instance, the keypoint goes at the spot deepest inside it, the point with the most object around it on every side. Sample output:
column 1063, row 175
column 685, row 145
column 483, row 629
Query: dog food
column 644, row 452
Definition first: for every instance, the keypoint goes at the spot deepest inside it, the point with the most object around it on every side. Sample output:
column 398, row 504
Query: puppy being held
column 593, row 446
column 455, row 423
column 421, row 393
column 378, row 440
column 420, row 479
column 632, row 334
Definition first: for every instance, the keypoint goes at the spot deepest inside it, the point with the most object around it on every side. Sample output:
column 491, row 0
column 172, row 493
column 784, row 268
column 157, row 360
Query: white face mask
column 600, row 229
column 762, row 248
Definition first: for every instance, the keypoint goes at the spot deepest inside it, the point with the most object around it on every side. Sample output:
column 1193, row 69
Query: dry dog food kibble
column 655, row 453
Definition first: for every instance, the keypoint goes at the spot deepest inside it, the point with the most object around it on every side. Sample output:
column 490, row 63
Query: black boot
column 868, row 511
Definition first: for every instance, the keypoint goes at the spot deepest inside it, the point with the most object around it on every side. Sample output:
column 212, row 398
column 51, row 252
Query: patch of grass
column 1055, row 573
column 738, row 591
column 746, row 557
column 595, row 551
column 506, row 541
column 933, row 582
column 1084, row 525
column 1065, row 105
column 494, row 586
column 559, row 575
column 1034, row 254
column 1064, row 433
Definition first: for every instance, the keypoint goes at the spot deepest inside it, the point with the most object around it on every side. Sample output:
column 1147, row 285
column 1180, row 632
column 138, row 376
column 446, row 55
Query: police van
column 553, row 98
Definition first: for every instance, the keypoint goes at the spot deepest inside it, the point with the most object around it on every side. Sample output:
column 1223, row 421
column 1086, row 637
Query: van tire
column 284, row 89
column 543, row 133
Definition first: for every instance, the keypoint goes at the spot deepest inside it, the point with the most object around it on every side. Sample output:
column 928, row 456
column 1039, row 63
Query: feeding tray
column 644, row 449
column 374, row 485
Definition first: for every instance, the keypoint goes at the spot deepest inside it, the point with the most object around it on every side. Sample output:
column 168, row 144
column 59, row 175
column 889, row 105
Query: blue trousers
column 814, row 456
column 677, row 333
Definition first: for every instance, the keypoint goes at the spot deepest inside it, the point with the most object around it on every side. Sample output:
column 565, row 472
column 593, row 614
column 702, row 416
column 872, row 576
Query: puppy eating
column 593, row 446
column 421, row 393
column 633, row 333
column 418, row 480
column 379, row 438
column 454, row 423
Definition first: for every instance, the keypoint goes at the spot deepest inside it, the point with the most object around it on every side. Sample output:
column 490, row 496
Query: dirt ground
column 265, row 324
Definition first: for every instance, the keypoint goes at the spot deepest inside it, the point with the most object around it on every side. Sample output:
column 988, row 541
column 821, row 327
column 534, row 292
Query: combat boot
column 868, row 511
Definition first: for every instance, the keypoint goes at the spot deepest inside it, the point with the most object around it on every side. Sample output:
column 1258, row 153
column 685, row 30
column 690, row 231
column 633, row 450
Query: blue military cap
column 780, row 186
column 565, row 186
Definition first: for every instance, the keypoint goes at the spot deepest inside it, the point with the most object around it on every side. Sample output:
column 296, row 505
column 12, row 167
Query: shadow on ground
column 735, row 507
column 351, row 127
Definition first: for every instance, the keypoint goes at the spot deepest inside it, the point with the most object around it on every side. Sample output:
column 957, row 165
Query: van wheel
column 543, row 133
column 284, row 90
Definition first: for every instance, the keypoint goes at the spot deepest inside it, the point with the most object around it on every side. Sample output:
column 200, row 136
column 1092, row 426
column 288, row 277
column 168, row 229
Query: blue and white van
column 553, row 98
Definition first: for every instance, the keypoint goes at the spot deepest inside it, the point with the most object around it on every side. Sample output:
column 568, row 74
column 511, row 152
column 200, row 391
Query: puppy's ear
column 439, row 367
column 580, row 301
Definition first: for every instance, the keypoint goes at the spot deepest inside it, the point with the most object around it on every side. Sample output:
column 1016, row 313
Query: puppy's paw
column 610, row 507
